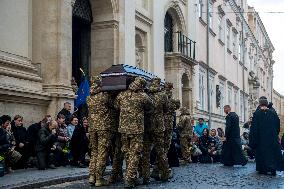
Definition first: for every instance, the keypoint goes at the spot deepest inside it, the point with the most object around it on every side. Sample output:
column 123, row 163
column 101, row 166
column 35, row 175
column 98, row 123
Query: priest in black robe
column 232, row 153
column 264, row 139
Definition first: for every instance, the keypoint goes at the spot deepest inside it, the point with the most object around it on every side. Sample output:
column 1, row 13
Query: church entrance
column 81, row 39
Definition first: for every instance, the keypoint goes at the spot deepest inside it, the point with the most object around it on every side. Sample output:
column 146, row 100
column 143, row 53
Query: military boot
column 115, row 178
column 92, row 180
column 165, row 176
column 146, row 181
column 129, row 185
column 155, row 174
column 101, row 182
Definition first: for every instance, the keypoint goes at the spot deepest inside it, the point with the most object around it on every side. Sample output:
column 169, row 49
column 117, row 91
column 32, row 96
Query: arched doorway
column 185, row 91
column 81, row 39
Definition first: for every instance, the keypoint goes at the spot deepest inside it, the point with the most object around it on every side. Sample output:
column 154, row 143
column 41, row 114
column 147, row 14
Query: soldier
column 186, row 132
column 160, row 101
column 132, row 104
column 144, row 169
column 101, row 131
column 169, row 116
column 116, row 173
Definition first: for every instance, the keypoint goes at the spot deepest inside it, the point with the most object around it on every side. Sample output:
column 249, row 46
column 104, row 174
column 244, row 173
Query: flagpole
column 82, row 72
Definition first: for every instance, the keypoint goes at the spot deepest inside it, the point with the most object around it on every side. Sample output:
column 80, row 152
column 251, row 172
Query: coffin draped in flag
column 118, row 77
column 83, row 93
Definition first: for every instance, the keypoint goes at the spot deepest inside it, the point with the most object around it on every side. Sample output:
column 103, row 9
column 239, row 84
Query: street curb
column 52, row 181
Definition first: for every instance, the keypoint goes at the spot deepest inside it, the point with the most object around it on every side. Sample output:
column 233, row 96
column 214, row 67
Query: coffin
column 118, row 77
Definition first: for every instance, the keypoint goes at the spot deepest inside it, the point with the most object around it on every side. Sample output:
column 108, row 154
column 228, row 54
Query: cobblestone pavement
column 207, row 176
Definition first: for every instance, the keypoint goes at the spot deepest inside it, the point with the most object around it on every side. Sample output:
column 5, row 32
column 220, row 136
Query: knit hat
column 263, row 101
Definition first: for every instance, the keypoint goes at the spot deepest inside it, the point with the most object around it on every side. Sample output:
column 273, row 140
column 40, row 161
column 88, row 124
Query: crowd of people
column 49, row 143
column 138, row 126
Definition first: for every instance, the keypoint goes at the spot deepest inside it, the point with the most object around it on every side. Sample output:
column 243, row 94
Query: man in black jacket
column 232, row 153
column 32, row 134
column 20, row 134
column 45, row 147
column 66, row 111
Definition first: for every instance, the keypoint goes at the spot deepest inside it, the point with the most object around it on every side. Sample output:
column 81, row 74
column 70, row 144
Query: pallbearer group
column 131, row 123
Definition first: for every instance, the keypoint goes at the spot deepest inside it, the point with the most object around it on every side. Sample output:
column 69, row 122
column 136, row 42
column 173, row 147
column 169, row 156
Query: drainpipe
column 208, row 73
column 243, row 59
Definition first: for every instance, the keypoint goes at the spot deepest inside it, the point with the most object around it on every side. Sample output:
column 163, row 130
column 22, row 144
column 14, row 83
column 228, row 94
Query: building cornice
column 203, row 64
column 230, row 83
column 17, row 66
column 142, row 18
column 223, row 78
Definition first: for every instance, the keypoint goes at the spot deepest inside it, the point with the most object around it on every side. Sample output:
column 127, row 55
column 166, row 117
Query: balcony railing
column 186, row 46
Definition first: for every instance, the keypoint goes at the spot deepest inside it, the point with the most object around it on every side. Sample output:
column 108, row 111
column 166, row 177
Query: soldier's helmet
column 155, row 85
column 96, row 82
column 169, row 86
column 138, row 84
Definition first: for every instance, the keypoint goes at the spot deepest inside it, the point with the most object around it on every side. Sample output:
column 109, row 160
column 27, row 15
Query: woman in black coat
column 264, row 140
column 79, row 146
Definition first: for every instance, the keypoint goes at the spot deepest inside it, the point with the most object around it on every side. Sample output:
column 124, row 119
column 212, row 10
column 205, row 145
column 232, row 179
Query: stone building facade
column 43, row 45
column 240, row 60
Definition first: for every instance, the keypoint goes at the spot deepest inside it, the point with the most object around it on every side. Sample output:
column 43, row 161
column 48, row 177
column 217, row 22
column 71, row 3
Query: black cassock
column 264, row 140
column 232, row 153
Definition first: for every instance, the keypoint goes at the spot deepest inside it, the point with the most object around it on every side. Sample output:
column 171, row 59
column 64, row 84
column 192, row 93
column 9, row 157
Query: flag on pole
column 83, row 93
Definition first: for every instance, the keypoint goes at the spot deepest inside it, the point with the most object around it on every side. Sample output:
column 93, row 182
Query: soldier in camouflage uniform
column 144, row 169
column 169, row 115
column 160, row 101
column 132, row 104
column 102, row 124
column 186, row 133
column 116, row 173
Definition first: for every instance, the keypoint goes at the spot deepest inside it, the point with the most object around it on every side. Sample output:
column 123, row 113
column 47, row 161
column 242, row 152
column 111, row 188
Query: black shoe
column 228, row 165
column 243, row 164
column 81, row 165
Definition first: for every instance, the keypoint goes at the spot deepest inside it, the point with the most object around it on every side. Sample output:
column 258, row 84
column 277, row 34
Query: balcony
column 180, row 43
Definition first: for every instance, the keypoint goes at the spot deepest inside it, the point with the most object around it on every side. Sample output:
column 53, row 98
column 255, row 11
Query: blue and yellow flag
column 83, row 93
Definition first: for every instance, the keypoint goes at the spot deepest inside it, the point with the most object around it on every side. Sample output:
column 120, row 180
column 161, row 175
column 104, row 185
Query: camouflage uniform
column 186, row 133
column 160, row 100
column 116, row 173
column 102, row 124
column 173, row 105
column 144, row 165
column 132, row 104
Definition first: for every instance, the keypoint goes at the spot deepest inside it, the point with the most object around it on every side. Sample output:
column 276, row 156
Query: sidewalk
column 33, row 178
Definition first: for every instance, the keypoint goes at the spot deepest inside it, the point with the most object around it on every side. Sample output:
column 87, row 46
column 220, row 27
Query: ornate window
column 228, row 36
column 236, row 100
column 230, row 95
